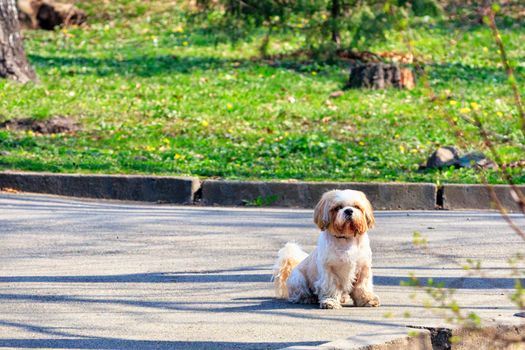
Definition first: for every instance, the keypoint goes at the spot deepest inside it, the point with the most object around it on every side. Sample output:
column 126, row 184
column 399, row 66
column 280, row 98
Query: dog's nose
column 348, row 212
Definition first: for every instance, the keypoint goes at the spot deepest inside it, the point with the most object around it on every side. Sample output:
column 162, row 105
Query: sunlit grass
column 155, row 95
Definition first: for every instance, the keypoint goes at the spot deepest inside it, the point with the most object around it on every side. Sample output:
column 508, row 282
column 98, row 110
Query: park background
column 218, row 89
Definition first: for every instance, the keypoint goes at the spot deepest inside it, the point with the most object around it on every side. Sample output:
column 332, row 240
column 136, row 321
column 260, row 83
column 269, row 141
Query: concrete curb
column 179, row 190
column 190, row 190
column 389, row 196
column 478, row 197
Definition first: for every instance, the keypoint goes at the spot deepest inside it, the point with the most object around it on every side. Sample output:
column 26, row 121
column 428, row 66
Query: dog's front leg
column 327, row 291
column 363, row 291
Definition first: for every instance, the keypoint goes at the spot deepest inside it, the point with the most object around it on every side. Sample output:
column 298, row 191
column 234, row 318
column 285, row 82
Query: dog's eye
column 339, row 207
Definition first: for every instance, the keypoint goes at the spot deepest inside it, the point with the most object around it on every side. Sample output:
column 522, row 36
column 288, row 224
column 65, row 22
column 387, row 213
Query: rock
column 476, row 160
column 5, row 153
column 487, row 164
column 447, row 156
column 443, row 157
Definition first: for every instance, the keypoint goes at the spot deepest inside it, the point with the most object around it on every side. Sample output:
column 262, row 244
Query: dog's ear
column 322, row 210
column 369, row 213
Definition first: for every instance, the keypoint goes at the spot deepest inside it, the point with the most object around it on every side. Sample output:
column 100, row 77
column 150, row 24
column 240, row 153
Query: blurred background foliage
column 327, row 25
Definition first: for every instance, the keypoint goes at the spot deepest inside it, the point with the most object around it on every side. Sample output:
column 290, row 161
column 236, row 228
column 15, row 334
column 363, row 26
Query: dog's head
column 344, row 213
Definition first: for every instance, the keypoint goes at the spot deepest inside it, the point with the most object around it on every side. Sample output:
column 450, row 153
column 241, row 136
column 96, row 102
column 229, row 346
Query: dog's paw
column 345, row 298
column 370, row 301
column 373, row 301
column 330, row 304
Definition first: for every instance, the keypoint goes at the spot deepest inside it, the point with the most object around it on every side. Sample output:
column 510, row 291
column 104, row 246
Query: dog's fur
column 340, row 267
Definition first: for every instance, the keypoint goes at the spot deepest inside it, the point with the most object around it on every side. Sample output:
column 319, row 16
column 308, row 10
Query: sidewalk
column 102, row 275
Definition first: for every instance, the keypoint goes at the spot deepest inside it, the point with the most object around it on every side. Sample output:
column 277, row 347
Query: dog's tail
column 288, row 257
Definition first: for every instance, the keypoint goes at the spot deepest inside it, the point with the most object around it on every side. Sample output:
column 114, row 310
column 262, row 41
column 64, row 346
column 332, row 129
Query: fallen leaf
column 336, row 94
column 9, row 190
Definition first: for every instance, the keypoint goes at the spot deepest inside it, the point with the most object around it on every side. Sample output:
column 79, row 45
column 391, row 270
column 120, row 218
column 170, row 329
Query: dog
column 340, row 267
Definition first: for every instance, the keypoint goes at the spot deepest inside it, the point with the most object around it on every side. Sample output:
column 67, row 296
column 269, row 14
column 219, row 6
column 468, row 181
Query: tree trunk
column 13, row 61
column 335, row 12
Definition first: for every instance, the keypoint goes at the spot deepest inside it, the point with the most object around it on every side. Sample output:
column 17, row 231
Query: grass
column 154, row 95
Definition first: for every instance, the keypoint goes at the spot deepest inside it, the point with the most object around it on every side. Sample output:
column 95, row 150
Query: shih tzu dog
column 340, row 267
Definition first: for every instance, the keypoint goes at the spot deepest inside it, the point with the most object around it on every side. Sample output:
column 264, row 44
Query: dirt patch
column 499, row 337
column 55, row 125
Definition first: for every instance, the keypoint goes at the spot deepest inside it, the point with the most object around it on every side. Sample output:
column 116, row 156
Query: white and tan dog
column 340, row 267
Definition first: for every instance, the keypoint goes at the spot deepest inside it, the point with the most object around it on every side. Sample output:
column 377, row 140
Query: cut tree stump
column 378, row 75
column 48, row 14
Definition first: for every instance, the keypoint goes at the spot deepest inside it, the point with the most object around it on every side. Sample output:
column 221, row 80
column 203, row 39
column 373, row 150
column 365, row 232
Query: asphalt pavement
column 113, row 275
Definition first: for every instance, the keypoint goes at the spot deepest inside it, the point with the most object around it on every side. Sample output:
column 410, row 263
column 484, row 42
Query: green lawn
column 154, row 95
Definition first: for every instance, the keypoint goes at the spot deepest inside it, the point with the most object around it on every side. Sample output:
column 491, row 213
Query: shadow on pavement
column 69, row 340
column 125, row 344
column 219, row 277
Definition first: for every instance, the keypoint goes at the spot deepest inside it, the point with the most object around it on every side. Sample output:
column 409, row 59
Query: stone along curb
column 179, row 190
column 478, row 197
column 389, row 196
